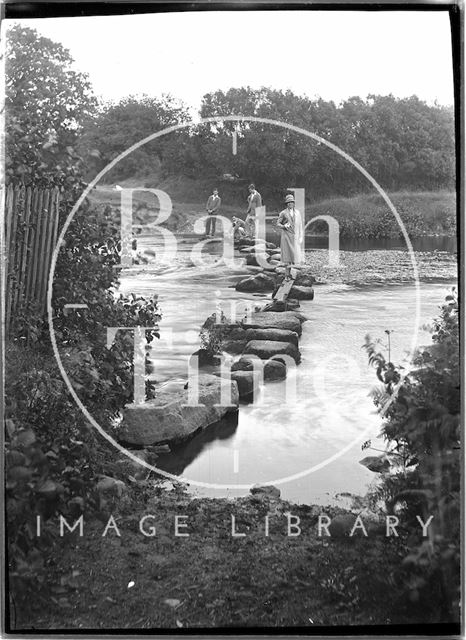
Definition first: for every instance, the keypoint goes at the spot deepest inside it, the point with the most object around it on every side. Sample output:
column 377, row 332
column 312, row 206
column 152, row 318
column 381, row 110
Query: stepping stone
column 266, row 349
column 259, row 282
column 287, row 320
column 279, row 335
column 302, row 293
column 272, row 369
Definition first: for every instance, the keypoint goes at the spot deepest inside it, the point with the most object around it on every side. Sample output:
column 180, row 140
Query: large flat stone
column 259, row 282
column 286, row 320
column 168, row 417
column 266, row 349
column 280, row 335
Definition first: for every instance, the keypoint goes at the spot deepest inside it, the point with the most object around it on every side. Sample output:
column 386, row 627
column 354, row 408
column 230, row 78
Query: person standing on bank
column 212, row 206
column 254, row 201
column 290, row 224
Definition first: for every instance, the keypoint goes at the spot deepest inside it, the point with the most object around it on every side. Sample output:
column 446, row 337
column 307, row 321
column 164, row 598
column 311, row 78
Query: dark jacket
column 213, row 203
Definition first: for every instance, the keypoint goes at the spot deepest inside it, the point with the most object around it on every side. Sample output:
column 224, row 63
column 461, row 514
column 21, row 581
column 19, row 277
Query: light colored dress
column 291, row 242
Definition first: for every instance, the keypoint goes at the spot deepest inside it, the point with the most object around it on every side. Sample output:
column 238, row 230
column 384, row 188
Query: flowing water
column 305, row 438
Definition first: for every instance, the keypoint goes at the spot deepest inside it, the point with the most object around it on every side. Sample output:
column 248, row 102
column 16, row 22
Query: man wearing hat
column 290, row 224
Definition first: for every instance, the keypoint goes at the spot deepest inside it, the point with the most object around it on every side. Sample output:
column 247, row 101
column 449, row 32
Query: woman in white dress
column 290, row 224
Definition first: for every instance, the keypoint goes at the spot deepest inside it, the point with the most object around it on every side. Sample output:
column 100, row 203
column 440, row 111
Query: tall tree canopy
column 118, row 126
column 47, row 103
column 403, row 143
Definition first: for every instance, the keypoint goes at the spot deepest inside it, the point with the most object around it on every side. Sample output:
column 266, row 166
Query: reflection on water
column 182, row 456
column 328, row 413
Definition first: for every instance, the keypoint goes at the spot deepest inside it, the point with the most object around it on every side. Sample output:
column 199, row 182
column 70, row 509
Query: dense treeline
column 57, row 128
column 403, row 143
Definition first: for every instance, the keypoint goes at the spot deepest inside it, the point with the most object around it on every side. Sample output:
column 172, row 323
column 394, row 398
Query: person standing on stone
column 212, row 206
column 290, row 223
column 254, row 201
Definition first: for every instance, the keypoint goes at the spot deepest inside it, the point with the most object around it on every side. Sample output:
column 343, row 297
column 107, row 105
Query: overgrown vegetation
column 422, row 465
column 53, row 458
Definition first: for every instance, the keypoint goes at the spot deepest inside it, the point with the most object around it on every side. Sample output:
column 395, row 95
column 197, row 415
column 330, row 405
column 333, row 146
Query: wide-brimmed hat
column 289, row 198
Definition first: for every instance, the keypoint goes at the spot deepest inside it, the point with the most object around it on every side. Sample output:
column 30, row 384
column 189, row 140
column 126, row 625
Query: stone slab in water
column 302, row 293
column 287, row 320
column 272, row 369
column 167, row 418
column 280, row 335
column 266, row 349
column 234, row 346
column 260, row 282
column 247, row 382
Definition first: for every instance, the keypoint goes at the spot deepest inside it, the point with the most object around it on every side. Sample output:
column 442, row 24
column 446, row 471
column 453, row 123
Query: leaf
column 19, row 474
column 112, row 485
column 49, row 488
column 25, row 438
column 377, row 464
column 10, row 427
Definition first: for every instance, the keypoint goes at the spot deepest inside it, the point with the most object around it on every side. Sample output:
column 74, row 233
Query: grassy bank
column 363, row 216
column 422, row 213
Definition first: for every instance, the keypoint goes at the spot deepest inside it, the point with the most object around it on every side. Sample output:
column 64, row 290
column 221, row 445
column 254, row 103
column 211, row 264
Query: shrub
column 422, row 431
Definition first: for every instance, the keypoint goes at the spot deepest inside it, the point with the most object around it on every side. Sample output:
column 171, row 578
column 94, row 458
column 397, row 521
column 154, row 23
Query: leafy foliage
column 422, row 430
column 46, row 103
column 402, row 143
column 54, row 459
column 120, row 125
column 214, row 332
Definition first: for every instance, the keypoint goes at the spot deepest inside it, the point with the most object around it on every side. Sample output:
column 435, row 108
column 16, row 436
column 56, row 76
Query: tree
column 118, row 126
column 46, row 102
column 402, row 143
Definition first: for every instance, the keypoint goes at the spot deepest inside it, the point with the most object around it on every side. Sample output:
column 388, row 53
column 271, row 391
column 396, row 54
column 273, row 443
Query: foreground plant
column 421, row 467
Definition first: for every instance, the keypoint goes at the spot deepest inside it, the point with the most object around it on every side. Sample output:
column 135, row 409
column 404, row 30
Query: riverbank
column 212, row 579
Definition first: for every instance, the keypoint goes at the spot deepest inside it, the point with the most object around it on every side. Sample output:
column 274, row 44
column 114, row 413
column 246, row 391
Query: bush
column 54, row 458
column 422, row 431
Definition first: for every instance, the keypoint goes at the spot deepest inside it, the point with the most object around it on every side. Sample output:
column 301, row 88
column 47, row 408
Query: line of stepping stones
column 271, row 337
column 268, row 279
column 271, row 334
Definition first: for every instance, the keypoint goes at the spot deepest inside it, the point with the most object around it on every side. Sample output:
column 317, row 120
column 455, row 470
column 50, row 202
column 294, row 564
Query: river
column 308, row 445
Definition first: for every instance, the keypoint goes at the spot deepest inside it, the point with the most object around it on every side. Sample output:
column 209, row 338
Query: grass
column 423, row 213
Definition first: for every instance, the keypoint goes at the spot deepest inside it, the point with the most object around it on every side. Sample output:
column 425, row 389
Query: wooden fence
column 31, row 229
